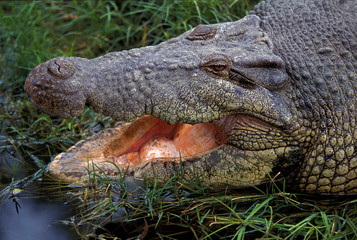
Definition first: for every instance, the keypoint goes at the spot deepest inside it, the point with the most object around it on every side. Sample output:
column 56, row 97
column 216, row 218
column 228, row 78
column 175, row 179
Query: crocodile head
column 214, row 103
column 213, row 98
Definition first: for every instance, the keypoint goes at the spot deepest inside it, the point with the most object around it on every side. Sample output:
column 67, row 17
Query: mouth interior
column 151, row 138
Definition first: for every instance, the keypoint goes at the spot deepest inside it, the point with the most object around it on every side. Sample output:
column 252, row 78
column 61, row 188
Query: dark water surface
column 36, row 219
column 38, row 210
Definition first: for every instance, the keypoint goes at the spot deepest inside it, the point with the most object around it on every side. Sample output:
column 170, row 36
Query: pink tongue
column 188, row 139
column 157, row 148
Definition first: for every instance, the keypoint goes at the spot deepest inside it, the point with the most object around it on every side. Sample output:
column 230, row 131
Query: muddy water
column 37, row 211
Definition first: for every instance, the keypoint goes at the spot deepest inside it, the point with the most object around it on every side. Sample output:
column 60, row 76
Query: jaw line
column 107, row 147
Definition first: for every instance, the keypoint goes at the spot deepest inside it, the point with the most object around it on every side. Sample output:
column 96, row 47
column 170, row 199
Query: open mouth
column 151, row 138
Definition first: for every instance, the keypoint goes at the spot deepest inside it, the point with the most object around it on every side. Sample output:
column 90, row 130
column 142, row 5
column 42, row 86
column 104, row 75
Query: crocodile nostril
column 60, row 68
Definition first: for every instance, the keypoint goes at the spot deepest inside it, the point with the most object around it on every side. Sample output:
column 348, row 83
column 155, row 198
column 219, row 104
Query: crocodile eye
column 217, row 67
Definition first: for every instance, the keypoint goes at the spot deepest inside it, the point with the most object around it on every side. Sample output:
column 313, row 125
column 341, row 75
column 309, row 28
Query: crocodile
column 229, row 104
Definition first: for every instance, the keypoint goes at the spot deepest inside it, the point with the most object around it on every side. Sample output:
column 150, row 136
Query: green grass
column 177, row 211
column 33, row 32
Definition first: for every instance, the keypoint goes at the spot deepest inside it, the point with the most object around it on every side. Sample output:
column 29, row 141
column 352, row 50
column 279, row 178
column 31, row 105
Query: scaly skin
column 279, row 83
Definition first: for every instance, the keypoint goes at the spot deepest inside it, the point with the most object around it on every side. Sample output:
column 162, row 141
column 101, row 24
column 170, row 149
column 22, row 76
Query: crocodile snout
column 53, row 87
